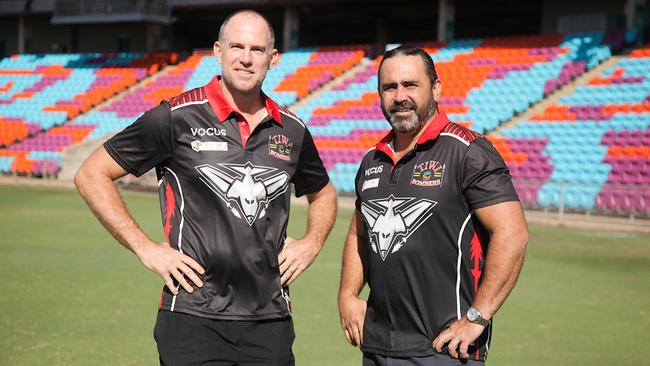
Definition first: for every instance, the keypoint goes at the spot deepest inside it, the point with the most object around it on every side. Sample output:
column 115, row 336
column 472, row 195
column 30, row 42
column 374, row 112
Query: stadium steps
column 74, row 155
column 552, row 98
column 330, row 84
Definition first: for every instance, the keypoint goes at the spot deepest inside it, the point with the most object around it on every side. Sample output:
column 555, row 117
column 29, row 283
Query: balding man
column 225, row 155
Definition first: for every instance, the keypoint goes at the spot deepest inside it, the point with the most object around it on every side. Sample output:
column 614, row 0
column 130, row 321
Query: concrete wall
column 42, row 37
column 106, row 37
column 8, row 36
column 582, row 15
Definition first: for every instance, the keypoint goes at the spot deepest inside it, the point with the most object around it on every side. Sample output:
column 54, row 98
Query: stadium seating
column 485, row 83
column 39, row 92
column 588, row 151
column 298, row 73
column 598, row 143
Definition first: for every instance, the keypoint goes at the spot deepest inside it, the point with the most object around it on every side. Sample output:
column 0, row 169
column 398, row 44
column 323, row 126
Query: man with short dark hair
column 225, row 155
column 438, row 232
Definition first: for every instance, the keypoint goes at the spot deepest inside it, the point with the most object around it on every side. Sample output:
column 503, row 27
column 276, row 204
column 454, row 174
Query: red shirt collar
column 223, row 109
column 431, row 133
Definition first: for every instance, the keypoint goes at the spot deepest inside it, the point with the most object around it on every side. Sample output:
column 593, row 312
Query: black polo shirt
column 426, row 248
column 224, row 195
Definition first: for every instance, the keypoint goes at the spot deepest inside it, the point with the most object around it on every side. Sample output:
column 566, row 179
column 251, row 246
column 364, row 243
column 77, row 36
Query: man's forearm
column 95, row 183
column 321, row 216
column 501, row 272
column 353, row 267
column 504, row 259
column 352, row 310
column 96, row 187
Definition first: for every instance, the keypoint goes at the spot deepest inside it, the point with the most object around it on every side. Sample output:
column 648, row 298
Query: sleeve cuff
column 493, row 201
column 314, row 188
column 119, row 160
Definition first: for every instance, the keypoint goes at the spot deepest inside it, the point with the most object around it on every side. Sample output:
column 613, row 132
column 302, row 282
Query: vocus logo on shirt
column 198, row 145
column 392, row 220
column 210, row 131
column 374, row 170
column 246, row 189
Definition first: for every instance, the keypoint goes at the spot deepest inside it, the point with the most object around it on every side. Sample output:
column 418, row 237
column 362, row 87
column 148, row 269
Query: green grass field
column 70, row 295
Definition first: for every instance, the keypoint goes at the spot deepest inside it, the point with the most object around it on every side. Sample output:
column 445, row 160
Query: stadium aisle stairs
column 590, row 148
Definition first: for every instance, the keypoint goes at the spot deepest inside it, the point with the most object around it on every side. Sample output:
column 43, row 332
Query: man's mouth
column 244, row 72
column 402, row 110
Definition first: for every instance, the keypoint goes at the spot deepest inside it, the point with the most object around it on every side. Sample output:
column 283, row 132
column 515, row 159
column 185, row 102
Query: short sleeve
column 145, row 143
column 485, row 178
column 310, row 175
column 357, row 186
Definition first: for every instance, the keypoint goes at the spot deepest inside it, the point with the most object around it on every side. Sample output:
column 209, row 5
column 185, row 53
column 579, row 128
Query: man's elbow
column 80, row 177
column 329, row 191
column 85, row 176
column 327, row 195
column 520, row 238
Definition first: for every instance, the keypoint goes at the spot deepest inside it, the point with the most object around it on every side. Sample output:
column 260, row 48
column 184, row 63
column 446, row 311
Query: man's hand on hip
column 459, row 336
column 170, row 263
column 352, row 311
column 295, row 257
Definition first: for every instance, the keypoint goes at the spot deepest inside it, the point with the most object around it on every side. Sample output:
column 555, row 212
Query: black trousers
column 437, row 359
column 184, row 340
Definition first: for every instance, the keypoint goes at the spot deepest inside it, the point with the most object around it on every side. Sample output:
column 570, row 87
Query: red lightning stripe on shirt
column 477, row 257
column 170, row 208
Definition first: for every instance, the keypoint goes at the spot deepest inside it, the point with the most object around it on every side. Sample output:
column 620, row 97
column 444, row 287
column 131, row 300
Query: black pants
column 437, row 359
column 184, row 339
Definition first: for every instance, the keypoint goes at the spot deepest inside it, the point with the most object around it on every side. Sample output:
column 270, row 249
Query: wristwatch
column 474, row 316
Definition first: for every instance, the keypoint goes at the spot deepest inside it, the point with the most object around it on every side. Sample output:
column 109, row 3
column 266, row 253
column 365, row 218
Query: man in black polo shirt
column 225, row 155
column 438, row 234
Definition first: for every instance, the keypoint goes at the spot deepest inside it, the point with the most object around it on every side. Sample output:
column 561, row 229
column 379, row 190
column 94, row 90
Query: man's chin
column 244, row 88
column 403, row 126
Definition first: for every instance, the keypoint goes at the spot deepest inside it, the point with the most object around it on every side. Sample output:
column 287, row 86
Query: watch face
column 472, row 314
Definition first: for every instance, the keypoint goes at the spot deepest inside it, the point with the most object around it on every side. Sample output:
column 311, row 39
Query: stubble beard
column 412, row 123
column 241, row 86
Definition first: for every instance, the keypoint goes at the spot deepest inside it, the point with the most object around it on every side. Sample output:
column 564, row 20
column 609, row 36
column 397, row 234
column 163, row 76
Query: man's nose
column 400, row 95
column 246, row 58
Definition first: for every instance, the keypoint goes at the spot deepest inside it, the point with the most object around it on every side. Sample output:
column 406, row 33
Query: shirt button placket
column 394, row 176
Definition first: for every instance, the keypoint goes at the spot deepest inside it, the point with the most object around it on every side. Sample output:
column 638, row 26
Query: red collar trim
column 433, row 129
column 384, row 144
column 222, row 109
column 273, row 109
column 431, row 133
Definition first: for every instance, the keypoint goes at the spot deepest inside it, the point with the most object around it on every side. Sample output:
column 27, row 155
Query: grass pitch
column 70, row 295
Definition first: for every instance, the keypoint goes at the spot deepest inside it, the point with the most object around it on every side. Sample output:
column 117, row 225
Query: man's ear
column 437, row 90
column 275, row 58
column 216, row 49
